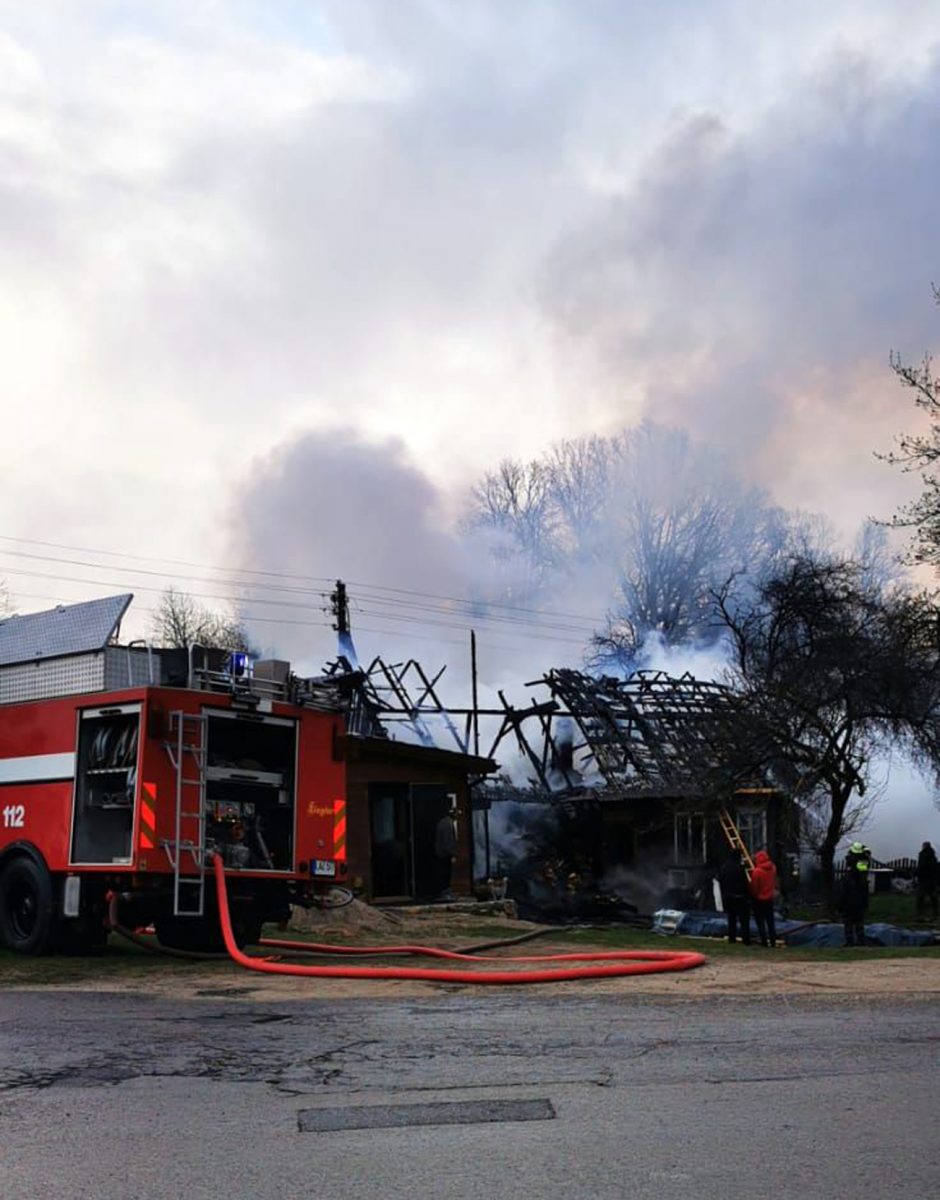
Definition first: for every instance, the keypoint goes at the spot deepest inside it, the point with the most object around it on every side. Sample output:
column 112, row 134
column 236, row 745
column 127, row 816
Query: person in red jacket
column 763, row 890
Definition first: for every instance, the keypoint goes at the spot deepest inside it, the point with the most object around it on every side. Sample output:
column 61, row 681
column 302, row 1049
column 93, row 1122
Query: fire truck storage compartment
column 250, row 789
column 105, row 784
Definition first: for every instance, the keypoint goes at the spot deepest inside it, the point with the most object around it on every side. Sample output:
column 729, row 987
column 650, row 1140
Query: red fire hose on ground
column 604, row 964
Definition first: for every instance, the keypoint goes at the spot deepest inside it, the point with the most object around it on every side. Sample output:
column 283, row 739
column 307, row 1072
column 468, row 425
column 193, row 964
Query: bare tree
column 921, row 453
column 833, row 669
column 579, row 474
column 680, row 523
column 6, row 604
column 516, row 501
column 653, row 521
column 881, row 567
column 179, row 620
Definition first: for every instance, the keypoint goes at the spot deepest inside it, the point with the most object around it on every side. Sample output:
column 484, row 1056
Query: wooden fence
column 900, row 868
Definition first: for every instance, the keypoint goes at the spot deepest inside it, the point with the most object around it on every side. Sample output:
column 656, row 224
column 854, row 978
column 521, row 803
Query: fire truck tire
column 82, row 936
column 79, row 941
column 204, row 934
column 247, row 929
column 27, row 918
column 186, row 933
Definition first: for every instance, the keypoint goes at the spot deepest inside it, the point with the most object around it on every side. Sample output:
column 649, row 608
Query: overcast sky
column 279, row 279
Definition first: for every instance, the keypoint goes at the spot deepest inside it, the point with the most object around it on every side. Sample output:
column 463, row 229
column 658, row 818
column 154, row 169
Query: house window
column 690, row 837
column 752, row 826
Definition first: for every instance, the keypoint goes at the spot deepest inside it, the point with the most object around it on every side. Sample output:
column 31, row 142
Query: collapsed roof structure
column 650, row 735
column 386, row 695
column 650, row 778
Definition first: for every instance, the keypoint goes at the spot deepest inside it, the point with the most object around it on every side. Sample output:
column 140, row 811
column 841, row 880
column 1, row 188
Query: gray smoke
column 334, row 506
column 750, row 286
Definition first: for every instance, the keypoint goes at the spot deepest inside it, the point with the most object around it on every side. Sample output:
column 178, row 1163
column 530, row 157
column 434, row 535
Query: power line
column 471, row 611
column 78, row 562
column 142, row 587
column 315, row 579
column 475, row 614
column 178, row 562
column 248, row 617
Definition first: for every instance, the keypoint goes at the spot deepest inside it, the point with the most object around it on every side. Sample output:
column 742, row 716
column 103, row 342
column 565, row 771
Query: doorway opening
column 403, row 819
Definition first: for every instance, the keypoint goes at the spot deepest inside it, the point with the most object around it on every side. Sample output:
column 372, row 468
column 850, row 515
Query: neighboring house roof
column 69, row 629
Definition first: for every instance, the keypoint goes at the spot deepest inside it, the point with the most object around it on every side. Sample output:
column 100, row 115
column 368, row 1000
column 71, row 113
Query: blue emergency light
column 238, row 664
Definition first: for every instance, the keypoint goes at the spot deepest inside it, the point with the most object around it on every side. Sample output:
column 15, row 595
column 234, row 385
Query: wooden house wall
column 363, row 772
column 644, row 828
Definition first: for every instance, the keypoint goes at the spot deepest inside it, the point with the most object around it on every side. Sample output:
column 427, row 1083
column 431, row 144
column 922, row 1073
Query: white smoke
column 702, row 661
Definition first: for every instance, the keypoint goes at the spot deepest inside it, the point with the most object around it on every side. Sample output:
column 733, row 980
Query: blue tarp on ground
column 875, row 935
column 794, row 933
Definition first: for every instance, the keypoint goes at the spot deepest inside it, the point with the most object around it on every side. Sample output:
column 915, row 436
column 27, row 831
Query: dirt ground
column 719, row 977
column 775, row 973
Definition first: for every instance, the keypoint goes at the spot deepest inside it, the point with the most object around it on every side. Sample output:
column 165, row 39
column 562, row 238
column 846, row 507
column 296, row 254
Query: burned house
column 400, row 782
column 646, row 775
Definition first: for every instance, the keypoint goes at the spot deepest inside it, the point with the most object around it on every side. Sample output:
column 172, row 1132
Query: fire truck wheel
column 83, row 936
column 204, row 934
column 26, row 913
column 247, row 928
column 196, row 934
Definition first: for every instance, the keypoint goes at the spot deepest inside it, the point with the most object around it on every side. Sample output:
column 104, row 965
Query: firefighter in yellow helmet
column 853, row 900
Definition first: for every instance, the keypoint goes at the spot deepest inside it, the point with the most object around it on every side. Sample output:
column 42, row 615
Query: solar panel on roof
column 68, row 629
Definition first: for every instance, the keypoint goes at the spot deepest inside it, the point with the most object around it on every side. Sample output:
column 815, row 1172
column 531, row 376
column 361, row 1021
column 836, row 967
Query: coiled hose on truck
column 603, row 964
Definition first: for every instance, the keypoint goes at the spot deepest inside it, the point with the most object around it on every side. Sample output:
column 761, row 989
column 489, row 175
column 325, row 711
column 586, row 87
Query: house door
column 390, row 815
column 404, row 820
column 618, row 847
column 428, row 804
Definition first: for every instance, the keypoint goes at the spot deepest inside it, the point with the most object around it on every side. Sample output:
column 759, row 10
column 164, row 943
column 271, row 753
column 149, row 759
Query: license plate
column 324, row 866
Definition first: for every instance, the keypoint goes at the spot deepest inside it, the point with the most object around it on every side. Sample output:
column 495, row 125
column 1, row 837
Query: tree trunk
column 838, row 800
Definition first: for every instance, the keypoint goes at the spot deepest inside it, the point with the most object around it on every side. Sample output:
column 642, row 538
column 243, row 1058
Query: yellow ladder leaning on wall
column 731, row 832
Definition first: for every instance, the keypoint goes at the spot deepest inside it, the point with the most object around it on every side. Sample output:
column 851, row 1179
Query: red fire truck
column 124, row 768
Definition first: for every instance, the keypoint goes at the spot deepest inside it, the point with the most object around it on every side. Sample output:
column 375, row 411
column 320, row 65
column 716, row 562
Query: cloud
column 474, row 228
column 751, row 284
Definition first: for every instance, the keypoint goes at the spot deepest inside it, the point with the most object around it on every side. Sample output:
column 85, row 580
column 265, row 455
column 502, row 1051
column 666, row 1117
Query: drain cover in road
column 448, row 1112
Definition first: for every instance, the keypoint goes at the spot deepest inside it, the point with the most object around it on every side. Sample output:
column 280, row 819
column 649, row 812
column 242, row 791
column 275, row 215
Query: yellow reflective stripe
column 147, row 837
column 339, row 830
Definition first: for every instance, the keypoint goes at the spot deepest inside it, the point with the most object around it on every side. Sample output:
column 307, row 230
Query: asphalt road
column 466, row 1094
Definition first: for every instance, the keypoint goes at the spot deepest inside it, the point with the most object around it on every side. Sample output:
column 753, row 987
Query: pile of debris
column 351, row 916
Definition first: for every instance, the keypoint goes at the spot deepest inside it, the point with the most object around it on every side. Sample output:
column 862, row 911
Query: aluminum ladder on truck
column 733, row 836
column 186, row 748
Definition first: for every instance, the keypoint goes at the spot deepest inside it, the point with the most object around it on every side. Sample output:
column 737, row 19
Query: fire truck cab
column 124, row 769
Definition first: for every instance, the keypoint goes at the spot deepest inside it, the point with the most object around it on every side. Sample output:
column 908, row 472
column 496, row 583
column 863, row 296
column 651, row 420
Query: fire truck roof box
column 274, row 669
column 68, row 629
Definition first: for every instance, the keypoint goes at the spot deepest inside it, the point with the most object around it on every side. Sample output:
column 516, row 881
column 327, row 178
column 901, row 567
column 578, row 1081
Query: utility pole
column 473, row 680
column 476, row 743
column 339, row 607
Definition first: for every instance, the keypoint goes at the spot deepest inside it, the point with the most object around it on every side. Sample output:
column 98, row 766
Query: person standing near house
column 763, row 889
column 928, row 877
column 853, row 898
column 735, row 897
column 445, row 849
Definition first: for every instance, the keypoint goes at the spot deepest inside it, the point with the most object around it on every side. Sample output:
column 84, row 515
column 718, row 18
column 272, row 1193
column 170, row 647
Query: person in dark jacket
column 735, row 897
column 445, row 851
column 928, row 877
column 763, row 887
column 853, row 899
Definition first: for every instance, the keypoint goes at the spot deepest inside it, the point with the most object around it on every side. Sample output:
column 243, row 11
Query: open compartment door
column 105, row 784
